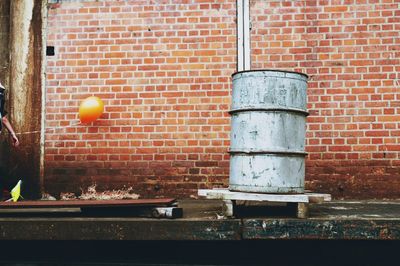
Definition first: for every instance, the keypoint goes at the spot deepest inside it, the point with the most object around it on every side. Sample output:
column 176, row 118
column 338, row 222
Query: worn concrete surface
column 203, row 220
column 337, row 233
column 363, row 220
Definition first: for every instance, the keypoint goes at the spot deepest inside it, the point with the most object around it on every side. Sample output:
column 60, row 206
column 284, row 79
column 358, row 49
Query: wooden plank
column 86, row 203
column 302, row 210
column 225, row 194
column 229, row 206
column 215, row 193
column 318, row 197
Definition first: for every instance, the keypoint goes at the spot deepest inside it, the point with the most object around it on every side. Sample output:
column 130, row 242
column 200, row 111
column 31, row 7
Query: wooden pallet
column 298, row 202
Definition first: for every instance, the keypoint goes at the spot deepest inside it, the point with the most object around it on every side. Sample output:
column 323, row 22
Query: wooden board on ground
column 86, row 203
column 150, row 208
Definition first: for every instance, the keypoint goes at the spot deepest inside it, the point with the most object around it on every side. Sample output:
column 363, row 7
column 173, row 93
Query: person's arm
column 11, row 130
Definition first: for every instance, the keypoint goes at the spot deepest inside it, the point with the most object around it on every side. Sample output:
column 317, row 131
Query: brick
column 168, row 88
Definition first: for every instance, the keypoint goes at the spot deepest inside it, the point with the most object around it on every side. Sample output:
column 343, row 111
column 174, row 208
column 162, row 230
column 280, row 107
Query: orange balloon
column 90, row 109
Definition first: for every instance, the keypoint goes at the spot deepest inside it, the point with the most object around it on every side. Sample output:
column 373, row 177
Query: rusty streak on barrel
column 268, row 124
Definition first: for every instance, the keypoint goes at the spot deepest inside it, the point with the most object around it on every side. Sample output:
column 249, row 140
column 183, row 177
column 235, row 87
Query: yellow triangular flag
column 16, row 191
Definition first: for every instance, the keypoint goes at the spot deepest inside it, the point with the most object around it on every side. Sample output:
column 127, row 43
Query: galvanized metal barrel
column 268, row 126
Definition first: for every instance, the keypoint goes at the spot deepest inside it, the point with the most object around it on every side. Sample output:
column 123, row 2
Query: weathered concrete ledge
column 364, row 220
column 117, row 229
column 322, row 229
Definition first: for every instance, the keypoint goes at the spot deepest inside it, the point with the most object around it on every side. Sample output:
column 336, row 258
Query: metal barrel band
column 270, row 109
column 268, row 152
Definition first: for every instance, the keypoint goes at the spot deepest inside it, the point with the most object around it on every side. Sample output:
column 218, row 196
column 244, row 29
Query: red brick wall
column 351, row 50
column 163, row 70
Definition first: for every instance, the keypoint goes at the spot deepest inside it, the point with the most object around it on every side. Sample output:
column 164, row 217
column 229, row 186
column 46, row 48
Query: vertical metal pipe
column 246, row 35
column 240, row 37
column 243, row 35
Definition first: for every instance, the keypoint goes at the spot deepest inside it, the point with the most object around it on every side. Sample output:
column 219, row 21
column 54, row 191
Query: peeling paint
column 25, row 90
column 22, row 36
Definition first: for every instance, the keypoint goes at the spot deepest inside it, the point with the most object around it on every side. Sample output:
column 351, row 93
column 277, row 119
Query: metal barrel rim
column 272, row 71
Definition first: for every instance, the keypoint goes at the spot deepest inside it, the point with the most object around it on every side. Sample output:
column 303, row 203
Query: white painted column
column 243, row 35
